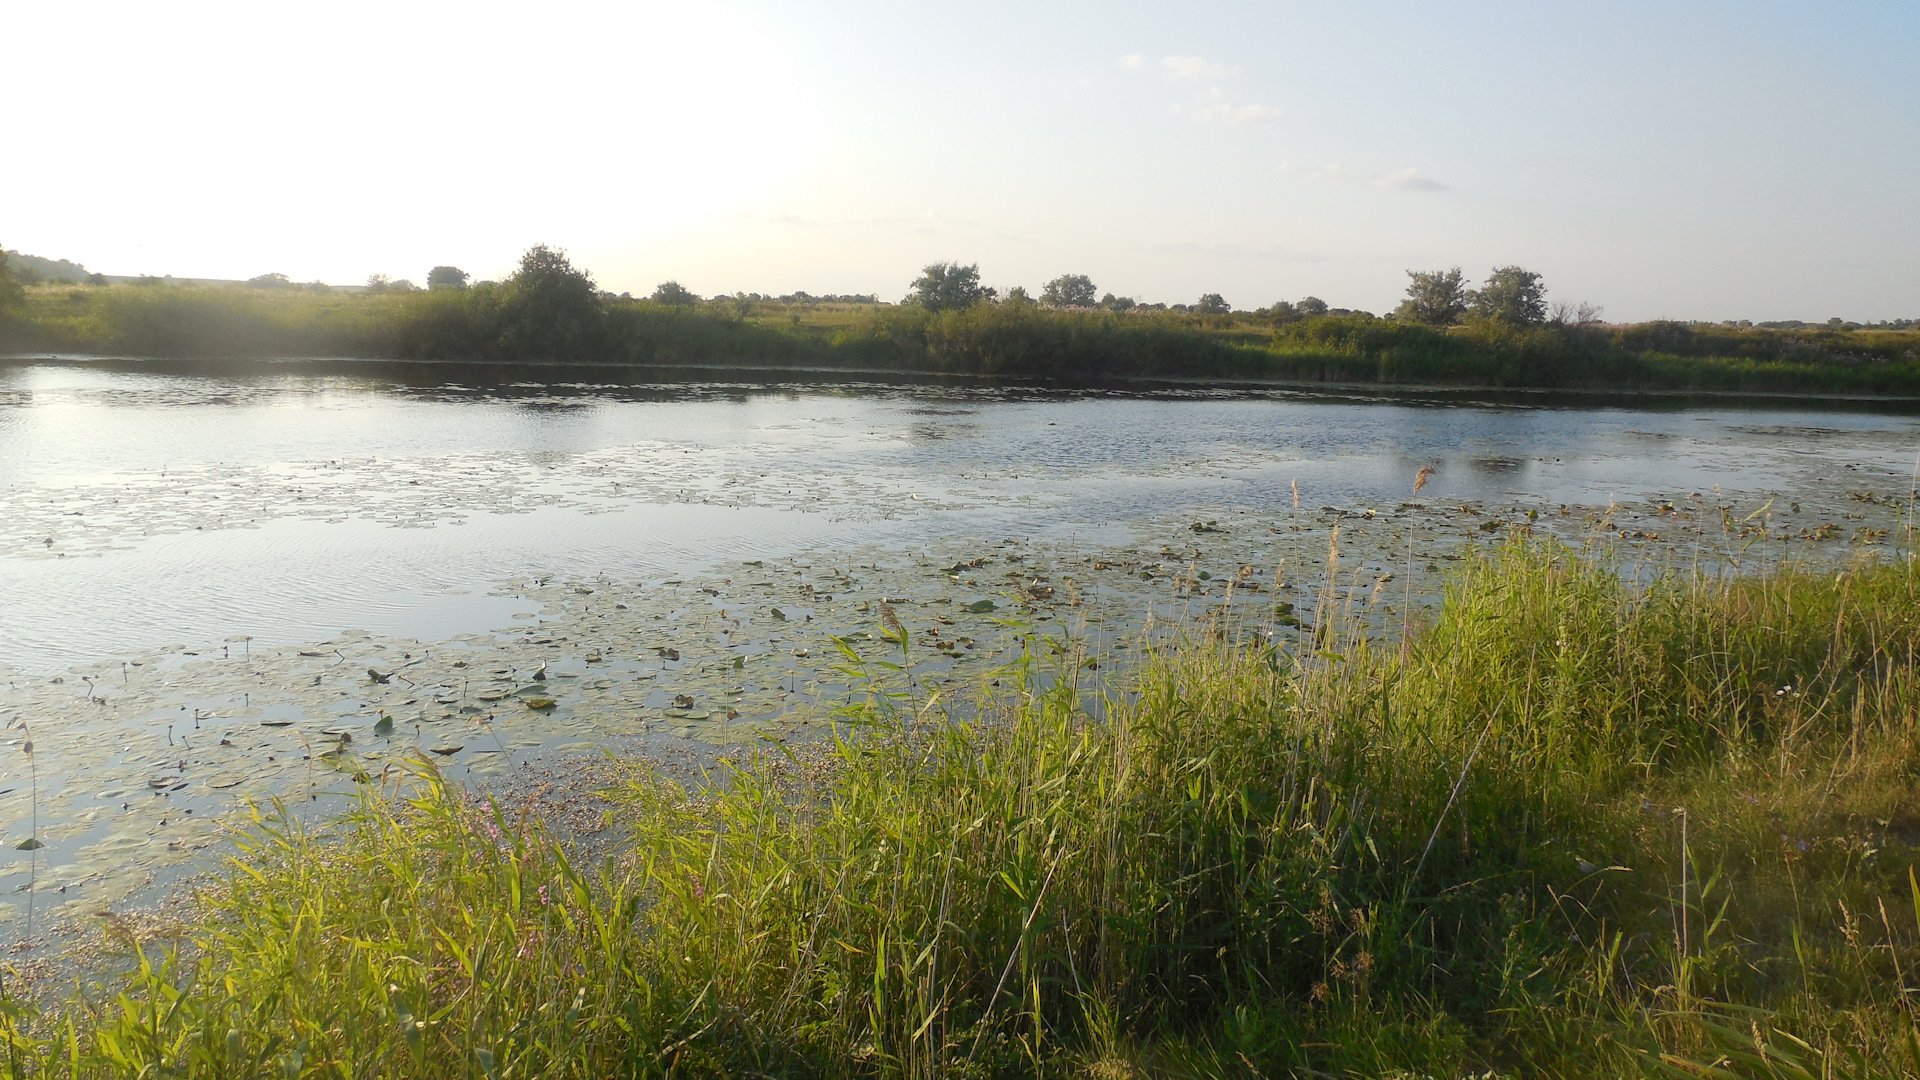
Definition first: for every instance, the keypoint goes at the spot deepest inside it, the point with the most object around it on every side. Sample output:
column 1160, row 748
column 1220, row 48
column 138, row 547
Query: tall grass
column 1576, row 826
column 1648, row 356
column 1008, row 340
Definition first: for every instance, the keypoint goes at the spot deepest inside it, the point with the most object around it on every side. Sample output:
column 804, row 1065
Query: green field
column 1007, row 340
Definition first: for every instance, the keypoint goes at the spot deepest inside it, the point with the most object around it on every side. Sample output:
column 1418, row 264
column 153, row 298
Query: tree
column 1513, row 296
column 269, row 281
column 1282, row 311
column 1212, row 304
column 1118, row 303
column 948, row 287
column 546, row 277
column 1568, row 313
column 377, row 283
column 549, row 310
column 1069, row 290
column 1311, row 306
column 1018, row 295
column 672, row 292
column 1434, row 297
column 11, row 293
column 447, row 277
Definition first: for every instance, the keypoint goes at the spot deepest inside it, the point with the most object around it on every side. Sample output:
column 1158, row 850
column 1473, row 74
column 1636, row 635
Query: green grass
column 1574, row 827
column 995, row 340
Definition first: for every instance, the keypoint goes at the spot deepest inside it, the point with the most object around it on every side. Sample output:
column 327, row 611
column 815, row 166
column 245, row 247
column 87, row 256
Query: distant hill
column 36, row 269
column 29, row 269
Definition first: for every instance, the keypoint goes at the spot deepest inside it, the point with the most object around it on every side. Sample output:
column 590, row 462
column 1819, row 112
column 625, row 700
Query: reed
column 1581, row 822
column 1008, row 340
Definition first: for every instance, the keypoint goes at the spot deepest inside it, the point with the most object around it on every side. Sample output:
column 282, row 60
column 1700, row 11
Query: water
column 146, row 508
column 202, row 572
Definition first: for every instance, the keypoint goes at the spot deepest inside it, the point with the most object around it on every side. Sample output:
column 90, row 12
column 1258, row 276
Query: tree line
column 1501, row 333
column 1510, row 295
column 951, row 286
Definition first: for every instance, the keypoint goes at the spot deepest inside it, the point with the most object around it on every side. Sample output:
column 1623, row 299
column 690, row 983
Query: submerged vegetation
column 1575, row 826
column 551, row 311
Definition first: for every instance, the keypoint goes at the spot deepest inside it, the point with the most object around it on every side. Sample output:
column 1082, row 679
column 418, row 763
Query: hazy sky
column 1662, row 159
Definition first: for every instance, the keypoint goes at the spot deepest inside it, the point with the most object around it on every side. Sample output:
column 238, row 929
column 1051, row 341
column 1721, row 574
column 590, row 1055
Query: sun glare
column 246, row 139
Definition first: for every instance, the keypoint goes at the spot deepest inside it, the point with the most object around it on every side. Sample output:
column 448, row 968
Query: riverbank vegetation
column 551, row 311
column 1575, row 826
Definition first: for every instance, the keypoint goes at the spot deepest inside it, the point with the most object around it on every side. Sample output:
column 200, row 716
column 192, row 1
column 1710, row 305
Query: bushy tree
column 269, row 281
column 547, row 280
column 672, row 292
column 12, row 295
column 1434, row 297
column 948, row 287
column 1282, row 311
column 1513, row 296
column 1018, row 295
column 1311, row 306
column 1118, row 303
column 549, row 309
column 1212, row 304
column 447, row 277
column 1069, row 290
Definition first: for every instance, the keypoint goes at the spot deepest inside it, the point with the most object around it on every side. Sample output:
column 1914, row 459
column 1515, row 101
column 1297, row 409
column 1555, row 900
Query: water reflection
column 235, row 546
column 186, row 499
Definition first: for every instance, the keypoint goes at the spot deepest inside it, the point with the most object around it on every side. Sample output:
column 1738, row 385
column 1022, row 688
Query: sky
column 1673, row 159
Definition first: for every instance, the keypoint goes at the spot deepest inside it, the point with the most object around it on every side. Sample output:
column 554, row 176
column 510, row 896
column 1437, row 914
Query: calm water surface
column 147, row 509
column 287, row 581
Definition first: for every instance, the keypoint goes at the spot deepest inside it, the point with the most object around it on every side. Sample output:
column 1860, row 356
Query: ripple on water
column 642, row 552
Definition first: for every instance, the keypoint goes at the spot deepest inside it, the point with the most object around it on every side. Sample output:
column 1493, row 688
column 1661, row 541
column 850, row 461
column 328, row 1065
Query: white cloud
column 1409, row 180
column 1225, row 115
column 1133, row 61
column 1196, row 69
